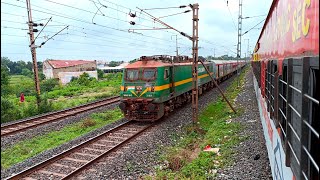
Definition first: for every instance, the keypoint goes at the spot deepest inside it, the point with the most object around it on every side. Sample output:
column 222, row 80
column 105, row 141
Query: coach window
column 166, row 73
column 149, row 74
column 273, row 90
column 132, row 74
column 312, row 123
column 282, row 85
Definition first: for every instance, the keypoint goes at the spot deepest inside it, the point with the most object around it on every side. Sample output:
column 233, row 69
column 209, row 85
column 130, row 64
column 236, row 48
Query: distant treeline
column 21, row 67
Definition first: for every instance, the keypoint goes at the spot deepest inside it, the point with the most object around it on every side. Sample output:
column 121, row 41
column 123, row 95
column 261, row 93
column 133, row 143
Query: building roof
column 67, row 63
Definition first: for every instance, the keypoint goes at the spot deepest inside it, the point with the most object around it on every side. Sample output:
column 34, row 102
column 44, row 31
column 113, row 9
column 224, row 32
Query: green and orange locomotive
column 156, row 85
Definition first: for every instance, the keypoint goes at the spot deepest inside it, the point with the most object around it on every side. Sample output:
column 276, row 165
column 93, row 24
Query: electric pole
column 214, row 52
column 177, row 54
column 239, row 39
column 195, row 9
column 248, row 49
column 33, row 51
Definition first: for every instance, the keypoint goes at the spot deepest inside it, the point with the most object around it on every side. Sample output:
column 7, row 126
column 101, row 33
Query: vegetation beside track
column 29, row 148
column 54, row 96
column 187, row 160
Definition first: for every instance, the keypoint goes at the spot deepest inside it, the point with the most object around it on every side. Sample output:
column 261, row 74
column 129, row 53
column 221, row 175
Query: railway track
column 70, row 163
column 33, row 122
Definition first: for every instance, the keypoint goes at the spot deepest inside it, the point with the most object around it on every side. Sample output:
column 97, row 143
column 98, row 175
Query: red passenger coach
column 286, row 70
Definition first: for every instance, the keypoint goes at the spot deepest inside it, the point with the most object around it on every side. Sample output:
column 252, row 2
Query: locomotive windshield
column 149, row 74
column 132, row 74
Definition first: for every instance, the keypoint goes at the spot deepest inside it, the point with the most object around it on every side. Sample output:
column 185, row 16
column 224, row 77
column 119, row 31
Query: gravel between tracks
column 140, row 156
column 8, row 141
column 245, row 167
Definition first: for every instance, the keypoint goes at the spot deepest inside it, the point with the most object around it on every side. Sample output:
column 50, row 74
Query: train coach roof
column 223, row 61
column 150, row 64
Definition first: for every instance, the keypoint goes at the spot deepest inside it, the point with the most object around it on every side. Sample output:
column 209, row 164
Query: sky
column 101, row 30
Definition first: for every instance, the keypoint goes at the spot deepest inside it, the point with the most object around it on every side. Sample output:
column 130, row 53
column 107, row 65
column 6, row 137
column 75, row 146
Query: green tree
column 4, row 79
column 113, row 63
column 26, row 72
column 132, row 61
column 49, row 84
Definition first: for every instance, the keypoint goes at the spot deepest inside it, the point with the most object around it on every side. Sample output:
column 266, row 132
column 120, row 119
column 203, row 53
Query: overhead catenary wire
column 66, row 55
column 105, row 39
column 118, row 29
column 103, row 15
column 153, row 37
column 234, row 24
column 253, row 27
column 40, row 30
column 108, row 45
column 77, row 49
column 80, row 20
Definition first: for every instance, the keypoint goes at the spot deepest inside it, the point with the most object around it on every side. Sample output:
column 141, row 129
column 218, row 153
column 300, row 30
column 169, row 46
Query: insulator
column 35, row 24
column 183, row 6
column 132, row 15
column 132, row 23
column 35, row 30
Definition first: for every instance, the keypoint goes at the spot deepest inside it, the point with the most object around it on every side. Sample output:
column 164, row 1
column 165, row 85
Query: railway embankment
column 174, row 147
column 250, row 158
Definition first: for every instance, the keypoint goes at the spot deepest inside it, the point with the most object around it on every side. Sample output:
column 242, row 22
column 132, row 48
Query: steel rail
column 32, row 122
column 52, row 160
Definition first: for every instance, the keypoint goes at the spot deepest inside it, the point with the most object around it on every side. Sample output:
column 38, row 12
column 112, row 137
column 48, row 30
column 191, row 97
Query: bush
column 45, row 105
column 100, row 74
column 88, row 123
column 49, row 84
column 8, row 111
column 84, row 80
column 27, row 72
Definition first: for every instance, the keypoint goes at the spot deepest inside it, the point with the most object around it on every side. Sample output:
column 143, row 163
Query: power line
column 223, row 46
column 80, row 20
column 105, row 45
column 102, row 39
column 70, row 49
column 13, row 35
column 13, row 21
column 103, row 15
column 9, row 27
column 253, row 27
column 234, row 24
column 253, row 16
column 61, row 55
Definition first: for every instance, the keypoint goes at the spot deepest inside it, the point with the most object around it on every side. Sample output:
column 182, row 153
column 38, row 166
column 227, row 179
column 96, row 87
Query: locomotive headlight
column 152, row 88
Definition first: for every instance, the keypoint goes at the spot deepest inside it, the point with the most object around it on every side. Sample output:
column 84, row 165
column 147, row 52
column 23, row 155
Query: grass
column 29, row 148
column 61, row 96
column 18, row 79
column 187, row 160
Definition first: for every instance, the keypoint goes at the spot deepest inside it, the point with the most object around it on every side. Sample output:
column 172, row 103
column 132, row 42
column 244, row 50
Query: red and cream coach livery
column 286, row 70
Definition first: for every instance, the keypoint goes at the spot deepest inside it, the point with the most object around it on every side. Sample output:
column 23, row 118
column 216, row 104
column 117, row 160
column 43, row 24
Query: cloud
column 109, row 39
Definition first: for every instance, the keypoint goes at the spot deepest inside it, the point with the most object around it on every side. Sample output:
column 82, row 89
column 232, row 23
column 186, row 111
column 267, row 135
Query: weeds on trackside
column 187, row 160
column 77, row 92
